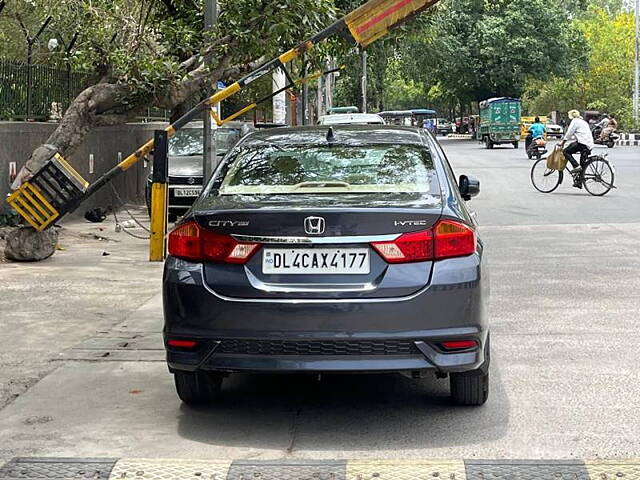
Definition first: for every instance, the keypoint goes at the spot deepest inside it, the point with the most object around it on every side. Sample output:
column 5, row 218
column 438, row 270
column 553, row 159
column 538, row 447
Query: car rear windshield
column 330, row 169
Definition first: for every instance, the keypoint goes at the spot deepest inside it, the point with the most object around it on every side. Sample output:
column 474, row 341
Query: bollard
column 159, row 197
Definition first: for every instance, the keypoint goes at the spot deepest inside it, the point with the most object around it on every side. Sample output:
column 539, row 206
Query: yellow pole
column 159, row 197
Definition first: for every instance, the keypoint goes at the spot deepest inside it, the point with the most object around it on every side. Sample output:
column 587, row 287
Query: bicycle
column 597, row 176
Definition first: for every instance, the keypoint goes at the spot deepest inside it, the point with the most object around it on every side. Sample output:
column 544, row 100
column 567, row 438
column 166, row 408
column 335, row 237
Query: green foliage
column 606, row 84
column 485, row 49
column 153, row 37
column 469, row 50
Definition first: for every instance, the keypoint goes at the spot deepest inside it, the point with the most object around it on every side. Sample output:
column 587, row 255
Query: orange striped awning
column 376, row 17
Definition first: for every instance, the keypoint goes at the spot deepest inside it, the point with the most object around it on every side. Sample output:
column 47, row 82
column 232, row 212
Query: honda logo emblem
column 314, row 225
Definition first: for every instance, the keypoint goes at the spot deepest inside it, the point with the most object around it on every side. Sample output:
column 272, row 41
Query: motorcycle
column 536, row 147
column 609, row 141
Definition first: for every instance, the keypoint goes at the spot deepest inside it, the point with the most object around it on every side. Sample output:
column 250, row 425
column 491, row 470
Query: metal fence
column 39, row 92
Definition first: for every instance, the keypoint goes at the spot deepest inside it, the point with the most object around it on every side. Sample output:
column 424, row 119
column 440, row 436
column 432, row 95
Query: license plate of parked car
column 186, row 192
column 296, row 261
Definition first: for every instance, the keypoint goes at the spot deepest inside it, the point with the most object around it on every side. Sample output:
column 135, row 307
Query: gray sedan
column 329, row 250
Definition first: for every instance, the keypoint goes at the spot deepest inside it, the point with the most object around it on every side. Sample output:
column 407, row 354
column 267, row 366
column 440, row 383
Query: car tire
column 488, row 144
column 196, row 388
column 469, row 388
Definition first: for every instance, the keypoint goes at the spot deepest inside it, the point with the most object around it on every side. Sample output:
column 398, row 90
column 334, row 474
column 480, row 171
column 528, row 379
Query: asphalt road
column 565, row 278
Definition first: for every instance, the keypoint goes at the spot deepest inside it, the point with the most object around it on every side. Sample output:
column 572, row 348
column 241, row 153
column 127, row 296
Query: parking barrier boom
column 39, row 200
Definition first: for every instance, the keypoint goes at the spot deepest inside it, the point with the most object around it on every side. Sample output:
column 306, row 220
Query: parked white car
column 351, row 119
column 554, row 130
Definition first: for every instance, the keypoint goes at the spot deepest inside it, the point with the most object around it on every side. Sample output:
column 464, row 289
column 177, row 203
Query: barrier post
column 159, row 197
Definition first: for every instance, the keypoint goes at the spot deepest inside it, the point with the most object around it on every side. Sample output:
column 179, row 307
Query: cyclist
column 581, row 138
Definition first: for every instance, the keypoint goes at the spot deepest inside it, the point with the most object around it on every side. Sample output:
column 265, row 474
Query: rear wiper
column 329, row 184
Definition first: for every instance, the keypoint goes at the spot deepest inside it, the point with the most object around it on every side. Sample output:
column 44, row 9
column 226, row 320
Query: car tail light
column 459, row 345
column 446, row 239
column 182, row 343
column 191, row 242
column 408, row 247
column 453, row 239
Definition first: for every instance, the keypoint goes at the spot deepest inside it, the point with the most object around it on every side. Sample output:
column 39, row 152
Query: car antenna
column 330, row 137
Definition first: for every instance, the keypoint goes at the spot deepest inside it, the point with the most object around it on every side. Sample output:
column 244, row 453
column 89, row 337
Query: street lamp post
column 208, row 145
column 636, row 91
column 364, row 81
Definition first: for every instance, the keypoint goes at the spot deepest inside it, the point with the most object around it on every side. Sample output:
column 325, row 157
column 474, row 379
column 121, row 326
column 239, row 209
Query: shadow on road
column 344, row 412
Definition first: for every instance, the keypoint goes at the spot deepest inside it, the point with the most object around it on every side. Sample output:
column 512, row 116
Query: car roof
column 233, row 124
column 346, row 118
column 343, row 135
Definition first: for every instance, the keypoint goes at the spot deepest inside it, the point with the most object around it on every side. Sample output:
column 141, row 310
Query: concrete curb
column 380, row 469
column 629, row 140
column 460, row 136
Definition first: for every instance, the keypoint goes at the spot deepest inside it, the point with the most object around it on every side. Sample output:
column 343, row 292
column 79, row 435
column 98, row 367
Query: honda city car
column 344, row 249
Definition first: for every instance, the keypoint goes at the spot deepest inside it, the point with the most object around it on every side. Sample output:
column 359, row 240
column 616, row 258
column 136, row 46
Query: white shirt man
column 580, row 132
column 581, row 137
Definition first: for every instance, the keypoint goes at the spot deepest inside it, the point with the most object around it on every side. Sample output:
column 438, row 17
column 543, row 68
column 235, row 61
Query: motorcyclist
column 611, row 127
column 536, row 130
column 581, row 138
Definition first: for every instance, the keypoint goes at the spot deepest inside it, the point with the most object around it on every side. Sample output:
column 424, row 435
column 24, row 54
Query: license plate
column 301, row 261
column 186, row 192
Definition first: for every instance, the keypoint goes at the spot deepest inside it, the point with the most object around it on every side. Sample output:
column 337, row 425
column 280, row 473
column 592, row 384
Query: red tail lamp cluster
column 446, row 239
column 192, row 242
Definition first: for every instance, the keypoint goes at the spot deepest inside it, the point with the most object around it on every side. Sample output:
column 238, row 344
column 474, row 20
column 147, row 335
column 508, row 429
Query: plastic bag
column 557, row 160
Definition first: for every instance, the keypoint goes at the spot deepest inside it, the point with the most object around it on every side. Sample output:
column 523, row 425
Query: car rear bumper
column 340, row 335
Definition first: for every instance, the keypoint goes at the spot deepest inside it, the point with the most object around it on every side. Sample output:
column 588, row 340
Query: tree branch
column 192, row 60
column 23, row 27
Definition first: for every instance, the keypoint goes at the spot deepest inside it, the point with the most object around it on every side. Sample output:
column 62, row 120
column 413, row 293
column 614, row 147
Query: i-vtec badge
column 229, row 223
column 410, row 223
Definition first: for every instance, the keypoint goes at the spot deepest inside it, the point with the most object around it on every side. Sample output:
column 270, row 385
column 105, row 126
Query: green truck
column 500, row 121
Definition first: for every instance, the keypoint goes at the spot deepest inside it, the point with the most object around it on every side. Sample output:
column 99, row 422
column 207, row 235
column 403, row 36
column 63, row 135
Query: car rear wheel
column 469, row 388
column 197, row 387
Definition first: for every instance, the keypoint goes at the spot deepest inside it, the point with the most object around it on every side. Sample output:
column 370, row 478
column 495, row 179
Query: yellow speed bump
column 168, row 469
column 613, row 469
column 405, row 469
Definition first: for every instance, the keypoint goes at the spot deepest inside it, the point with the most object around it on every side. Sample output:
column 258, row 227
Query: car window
column 188, row 141
column 330, row 169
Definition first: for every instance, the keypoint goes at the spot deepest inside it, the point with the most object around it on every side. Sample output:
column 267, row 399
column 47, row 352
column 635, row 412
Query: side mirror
column 469, row 187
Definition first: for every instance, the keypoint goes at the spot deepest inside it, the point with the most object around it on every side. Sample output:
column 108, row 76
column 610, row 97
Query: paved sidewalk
column 93, row 282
